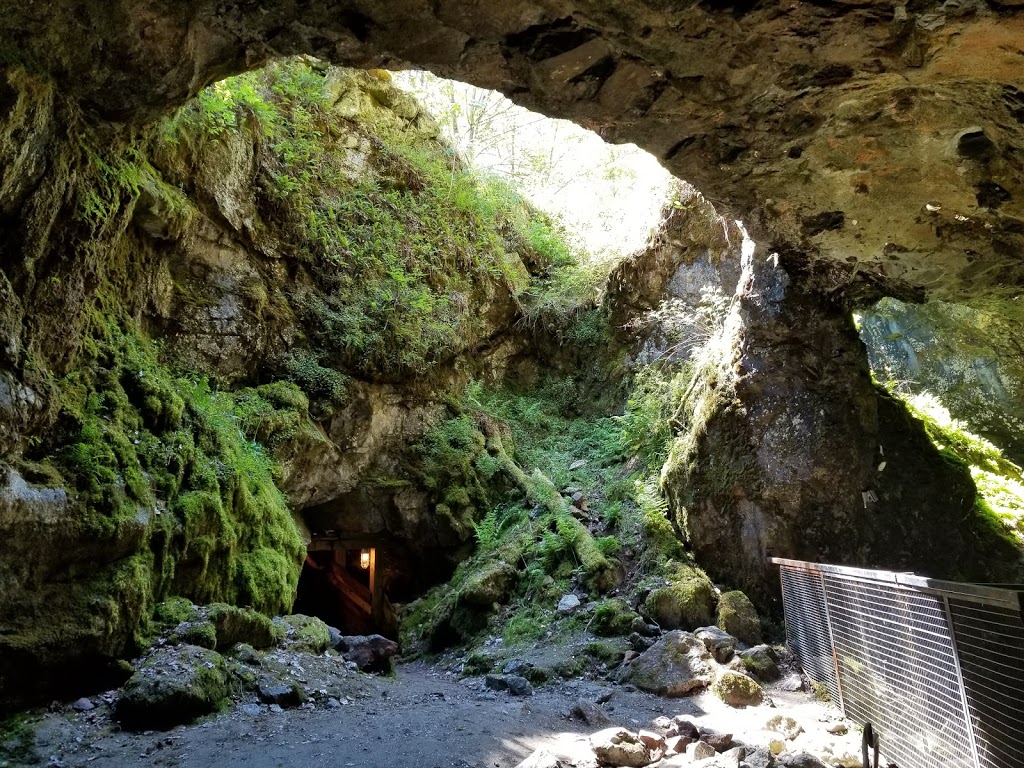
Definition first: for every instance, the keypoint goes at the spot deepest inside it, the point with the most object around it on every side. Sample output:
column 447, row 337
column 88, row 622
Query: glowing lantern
column 364, row 559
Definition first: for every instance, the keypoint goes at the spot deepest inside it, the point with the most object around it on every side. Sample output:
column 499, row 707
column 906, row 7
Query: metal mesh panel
column 807, row 631
column 898, row 671
column 990, row 642
column 937, row 667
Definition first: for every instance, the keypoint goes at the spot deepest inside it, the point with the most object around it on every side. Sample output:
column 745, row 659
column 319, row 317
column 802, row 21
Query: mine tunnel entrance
column 342, row 583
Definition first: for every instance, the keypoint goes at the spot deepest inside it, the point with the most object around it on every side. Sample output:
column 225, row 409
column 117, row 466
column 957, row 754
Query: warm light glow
column 364, row 559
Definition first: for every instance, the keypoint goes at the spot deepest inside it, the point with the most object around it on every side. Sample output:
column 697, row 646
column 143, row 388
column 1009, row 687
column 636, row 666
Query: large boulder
column 489, row 585
column 175, row 685
column 738, row 690
column 242, row 625
column 676, row 665
column 738, row 617
column 371, row 653
column 686, row 602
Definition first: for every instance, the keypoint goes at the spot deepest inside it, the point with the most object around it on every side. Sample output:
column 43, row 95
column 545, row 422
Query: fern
column 487, row 532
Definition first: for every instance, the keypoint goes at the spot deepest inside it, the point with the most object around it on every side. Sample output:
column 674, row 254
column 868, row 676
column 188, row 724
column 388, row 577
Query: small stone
column 686, row 727
column 837, row 729
column 792, row 684
column 590, row 713
column 579, row 464
column 568, row 605
column 250, row 709
column 758, row 758
column 333, row 703
column 541, row 759
column 800, row 760
column 516, row 667
column 722, row 742
column 719, row 643
column 83, row 705
column 663, row 723
column 519, row 686
column 655, row 741
column 276, row 709
column 676, row 744
column 787, row 726
column 282, row 695
column 701, row 750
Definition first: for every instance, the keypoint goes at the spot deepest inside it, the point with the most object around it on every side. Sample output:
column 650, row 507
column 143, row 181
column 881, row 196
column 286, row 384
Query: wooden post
column 376, row 593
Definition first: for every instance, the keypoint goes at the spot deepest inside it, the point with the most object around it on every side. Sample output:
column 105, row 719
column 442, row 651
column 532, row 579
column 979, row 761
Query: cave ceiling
column 878, row 147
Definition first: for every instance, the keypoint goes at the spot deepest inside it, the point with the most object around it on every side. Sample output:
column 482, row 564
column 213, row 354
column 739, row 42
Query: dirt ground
column 424, row 717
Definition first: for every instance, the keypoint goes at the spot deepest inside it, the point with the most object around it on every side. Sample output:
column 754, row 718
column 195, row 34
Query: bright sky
column 608, row 197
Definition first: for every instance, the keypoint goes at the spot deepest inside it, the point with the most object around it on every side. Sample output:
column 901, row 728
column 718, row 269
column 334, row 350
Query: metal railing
column 936, row 667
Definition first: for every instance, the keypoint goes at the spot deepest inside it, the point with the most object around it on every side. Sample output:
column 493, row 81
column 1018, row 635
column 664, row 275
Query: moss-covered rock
column 676, row 665
column 199, row 633
column 613, row 617
column 175, row 685
column 303, row 633
column 738, row 617
column 491, row 585
column 761, row 662
column 242, row 625
column 737, row 690
column 687, row 602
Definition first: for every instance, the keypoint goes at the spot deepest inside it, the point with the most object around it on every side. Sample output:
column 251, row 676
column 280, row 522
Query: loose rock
column 175, row 685
column 590, row 713
column 721, row 644
column 619, row 747
column 371, row 653
column 738, row 690
column 568, row 605
column 676, row 665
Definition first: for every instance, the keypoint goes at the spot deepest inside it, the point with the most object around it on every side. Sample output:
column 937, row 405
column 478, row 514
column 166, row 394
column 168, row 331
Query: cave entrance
column 341, row 584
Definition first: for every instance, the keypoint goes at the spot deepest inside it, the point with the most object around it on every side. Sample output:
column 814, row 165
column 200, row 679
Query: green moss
column 18, row 742
column 173, row 611
column 738, row 617
column 613, row 618
column 242, row 625
column 610, row 652
column 200, row 633
column 687, row 602
column 304, row 633
column 737, row 690
column 528, row 624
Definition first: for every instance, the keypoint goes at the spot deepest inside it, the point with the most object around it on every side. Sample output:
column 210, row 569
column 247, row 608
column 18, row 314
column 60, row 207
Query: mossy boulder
column 173, row 611
column 199, row 633
column 175, row 685
column 760, row 661
column 738, row 617
column 242, row 625
column 612, row 618
column 303, row 633
column 678, row 664
column 686, row 602
column 491, row 585
column 738, row 690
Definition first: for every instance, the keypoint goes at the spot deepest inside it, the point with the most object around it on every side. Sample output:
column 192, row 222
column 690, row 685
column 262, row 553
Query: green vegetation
column 1000, row 482
column 162, row 457
column 402, row 251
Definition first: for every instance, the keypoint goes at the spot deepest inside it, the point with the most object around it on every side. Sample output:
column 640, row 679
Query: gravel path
column 422, row 718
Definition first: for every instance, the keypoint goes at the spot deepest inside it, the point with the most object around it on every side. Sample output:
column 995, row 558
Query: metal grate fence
column 936, row 667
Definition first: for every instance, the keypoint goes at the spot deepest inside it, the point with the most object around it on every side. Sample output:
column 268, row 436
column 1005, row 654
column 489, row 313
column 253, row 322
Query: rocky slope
column 250, row 310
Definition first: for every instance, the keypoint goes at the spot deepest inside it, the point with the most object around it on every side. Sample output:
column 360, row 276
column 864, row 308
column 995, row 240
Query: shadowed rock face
column 888, row 140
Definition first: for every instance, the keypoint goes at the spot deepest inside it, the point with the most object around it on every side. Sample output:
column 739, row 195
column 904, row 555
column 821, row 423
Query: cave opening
column 342, row 584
